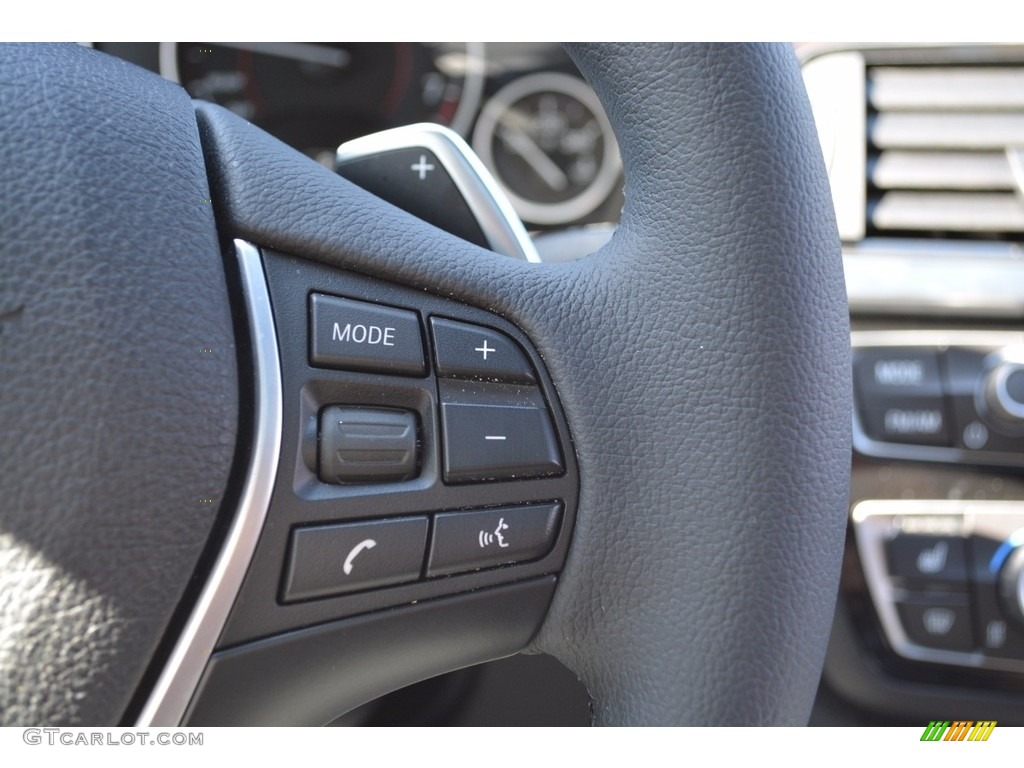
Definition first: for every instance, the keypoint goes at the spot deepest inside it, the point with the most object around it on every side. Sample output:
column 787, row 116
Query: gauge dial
column 314, row 96
column 547, row 140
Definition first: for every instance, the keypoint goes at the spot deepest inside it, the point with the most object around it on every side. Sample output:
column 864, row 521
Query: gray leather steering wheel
column 701, row 359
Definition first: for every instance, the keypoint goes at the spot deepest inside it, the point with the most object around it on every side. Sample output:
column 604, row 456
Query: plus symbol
column 485, row 349
column 422, row 167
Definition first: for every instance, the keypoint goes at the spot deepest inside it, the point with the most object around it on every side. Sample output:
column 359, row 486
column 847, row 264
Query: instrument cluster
column 524, row 108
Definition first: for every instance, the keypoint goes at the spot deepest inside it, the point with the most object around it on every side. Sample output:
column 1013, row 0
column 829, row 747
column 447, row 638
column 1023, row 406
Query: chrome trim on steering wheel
column 173, row 691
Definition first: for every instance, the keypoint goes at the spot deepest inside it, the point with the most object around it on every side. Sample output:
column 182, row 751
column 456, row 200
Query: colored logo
column 959, row 730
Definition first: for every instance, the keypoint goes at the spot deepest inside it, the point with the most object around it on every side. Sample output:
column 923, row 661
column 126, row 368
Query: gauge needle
column 535, row 157
column 308, row 52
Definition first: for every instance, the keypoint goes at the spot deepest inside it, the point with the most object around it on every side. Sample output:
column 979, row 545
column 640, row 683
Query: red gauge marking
column 400, row 80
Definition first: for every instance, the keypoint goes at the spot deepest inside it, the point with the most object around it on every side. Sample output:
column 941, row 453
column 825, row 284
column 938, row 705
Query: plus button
column 422, row 167
column 485, row 349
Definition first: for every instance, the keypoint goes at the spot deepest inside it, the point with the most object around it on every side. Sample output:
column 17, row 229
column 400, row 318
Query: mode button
column 358, row 336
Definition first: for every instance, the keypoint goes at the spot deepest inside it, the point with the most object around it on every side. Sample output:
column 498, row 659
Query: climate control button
column 942, row 623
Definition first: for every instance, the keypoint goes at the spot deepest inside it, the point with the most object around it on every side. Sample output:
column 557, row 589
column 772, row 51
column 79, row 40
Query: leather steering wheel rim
column 701, row 358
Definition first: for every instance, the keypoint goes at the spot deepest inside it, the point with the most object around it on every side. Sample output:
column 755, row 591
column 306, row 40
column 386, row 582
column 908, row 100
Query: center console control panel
column 932, row 607
column 947, row 578
column 932, row 396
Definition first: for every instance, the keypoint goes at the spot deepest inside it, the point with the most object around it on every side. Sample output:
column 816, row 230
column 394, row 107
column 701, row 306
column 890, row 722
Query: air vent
column 940, row 143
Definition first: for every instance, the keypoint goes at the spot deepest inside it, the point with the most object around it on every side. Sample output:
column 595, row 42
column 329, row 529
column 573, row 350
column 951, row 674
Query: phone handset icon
column 365, row 544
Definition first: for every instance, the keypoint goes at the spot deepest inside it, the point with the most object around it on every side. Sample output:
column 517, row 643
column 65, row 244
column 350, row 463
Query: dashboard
column 925, row 150
column 523, row 107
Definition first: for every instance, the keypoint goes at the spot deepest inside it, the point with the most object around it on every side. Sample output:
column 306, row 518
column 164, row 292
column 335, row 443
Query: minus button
column 521, row 442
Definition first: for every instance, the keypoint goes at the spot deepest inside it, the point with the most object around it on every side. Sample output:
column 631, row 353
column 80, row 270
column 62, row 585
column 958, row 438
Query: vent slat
column 894, row 89
column 940, row 140
column 940, row 130
column 948, row 212
column 895, row 169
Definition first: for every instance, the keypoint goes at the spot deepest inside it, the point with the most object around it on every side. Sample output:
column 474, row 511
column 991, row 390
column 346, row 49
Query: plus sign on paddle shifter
column 422, row 167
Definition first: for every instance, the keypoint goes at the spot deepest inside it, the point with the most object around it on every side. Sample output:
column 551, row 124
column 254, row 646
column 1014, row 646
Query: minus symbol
column 494, row 437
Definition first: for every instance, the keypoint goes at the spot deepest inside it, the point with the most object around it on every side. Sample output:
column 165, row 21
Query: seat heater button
column 475, row 352
column 467, row 541
column 928, row 559
column 1000, row 636
column 354, row 335
column 334, row 559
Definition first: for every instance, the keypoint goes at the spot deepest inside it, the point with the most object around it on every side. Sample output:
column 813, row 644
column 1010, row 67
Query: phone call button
column 335, row 559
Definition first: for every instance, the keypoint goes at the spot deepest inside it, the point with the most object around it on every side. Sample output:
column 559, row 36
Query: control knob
column 1011, row 585
column 1002, row 391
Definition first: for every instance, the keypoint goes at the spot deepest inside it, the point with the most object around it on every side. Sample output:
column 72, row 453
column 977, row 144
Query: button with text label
column 475, row 352
column 334, row 559
column 897, row 371
column 469, row 541
column 915, row 420
column 494, row 442
column 358, row 336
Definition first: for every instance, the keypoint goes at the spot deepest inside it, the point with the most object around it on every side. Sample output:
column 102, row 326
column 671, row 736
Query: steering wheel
column 701, row 360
